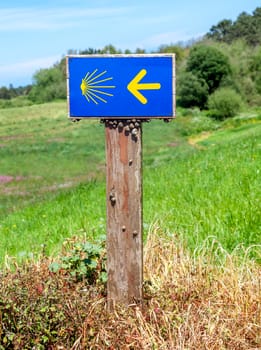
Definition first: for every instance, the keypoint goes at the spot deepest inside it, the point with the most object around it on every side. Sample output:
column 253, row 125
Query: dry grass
column 204, row 305
column 190, row 302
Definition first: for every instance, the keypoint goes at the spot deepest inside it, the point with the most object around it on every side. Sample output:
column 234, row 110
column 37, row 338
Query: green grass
column 40, row 146
column 201, row 179
column 211, row 192
column 42, row 228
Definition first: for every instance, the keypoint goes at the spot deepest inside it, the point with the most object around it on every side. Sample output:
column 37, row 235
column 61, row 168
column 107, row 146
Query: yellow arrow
column 134, row 86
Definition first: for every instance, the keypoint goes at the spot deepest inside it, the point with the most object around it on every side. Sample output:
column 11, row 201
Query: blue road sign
column 121, row 86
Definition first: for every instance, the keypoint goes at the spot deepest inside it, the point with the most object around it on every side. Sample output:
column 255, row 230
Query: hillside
column 201, row 179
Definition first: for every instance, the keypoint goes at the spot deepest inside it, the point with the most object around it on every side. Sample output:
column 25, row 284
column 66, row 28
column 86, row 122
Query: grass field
column 201, row 180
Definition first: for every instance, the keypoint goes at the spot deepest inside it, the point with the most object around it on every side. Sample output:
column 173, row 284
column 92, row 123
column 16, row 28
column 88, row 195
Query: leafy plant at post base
column 85, row 261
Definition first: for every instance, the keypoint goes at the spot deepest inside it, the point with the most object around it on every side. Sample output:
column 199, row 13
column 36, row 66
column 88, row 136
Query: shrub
column 19, row 101
column 224, row 103
column 192, row 91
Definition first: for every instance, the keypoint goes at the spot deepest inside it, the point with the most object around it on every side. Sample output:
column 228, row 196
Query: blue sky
column 35, row 34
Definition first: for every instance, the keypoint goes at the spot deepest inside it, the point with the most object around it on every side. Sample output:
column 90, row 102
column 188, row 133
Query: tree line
column 217, row 72
column 7, row 93
column 246, row 26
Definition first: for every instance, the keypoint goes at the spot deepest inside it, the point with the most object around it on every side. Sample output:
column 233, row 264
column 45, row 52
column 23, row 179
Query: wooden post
column 124, row 211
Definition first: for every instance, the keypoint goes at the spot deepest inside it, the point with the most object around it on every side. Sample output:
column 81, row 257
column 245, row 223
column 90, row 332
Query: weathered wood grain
column 124, row 214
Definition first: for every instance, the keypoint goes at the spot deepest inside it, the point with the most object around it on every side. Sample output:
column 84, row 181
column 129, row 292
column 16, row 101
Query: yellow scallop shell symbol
column 93, row 89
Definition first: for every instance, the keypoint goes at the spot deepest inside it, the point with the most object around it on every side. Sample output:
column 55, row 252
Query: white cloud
column 23, row 71
column 13, row 19
column 26, row 66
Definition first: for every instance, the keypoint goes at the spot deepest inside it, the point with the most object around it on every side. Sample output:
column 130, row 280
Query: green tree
column 90, row 51
column 255, row 68
column 257, row 26
column 49, row 84
column 209, row 64
column 180, row 52
column 191, row 90
column 221, row 31
column 140, row 51
column 246, row 27
column 5, row 93
column 110, row 49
